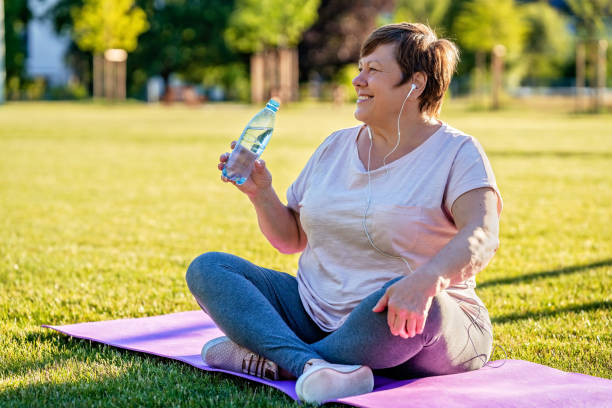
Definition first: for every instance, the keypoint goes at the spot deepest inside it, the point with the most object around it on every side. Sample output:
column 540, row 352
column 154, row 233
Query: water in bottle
column 252, row 142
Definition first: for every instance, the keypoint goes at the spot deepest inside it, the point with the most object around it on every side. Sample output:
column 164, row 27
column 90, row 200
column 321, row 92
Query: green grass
column 103, row 207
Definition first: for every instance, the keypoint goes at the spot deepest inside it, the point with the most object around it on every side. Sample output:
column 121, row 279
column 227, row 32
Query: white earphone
column 412, row 88
column 401, row 258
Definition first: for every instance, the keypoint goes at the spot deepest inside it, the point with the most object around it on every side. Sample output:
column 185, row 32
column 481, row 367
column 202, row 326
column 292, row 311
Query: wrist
column 261, row 195
column 433, row 282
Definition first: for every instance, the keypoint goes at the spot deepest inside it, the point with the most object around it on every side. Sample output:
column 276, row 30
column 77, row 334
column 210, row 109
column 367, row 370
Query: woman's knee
column 203, row 268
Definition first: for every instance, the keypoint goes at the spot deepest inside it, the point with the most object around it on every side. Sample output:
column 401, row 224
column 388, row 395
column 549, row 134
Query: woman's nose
column 359, row 80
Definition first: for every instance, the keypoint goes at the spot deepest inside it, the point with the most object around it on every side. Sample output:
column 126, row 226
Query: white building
column 46, row 50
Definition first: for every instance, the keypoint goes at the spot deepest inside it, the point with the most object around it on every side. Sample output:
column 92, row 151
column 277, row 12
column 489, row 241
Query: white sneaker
column 224, row 353
column 325, row 381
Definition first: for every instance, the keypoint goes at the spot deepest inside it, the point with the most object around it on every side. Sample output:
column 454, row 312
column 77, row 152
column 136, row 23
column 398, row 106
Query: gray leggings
column 261, row 310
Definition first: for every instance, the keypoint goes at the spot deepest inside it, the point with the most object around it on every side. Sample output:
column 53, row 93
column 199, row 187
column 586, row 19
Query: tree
column 17, row 15
column 263, row 26
column 103, row 25
column 2, row 53
column 546, row 47
column 591, row 16
column 485, row 25
column 186, row 38
column 335, row 39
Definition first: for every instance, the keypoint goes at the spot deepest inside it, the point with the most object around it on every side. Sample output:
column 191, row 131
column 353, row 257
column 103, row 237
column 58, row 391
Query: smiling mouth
column 363, row 98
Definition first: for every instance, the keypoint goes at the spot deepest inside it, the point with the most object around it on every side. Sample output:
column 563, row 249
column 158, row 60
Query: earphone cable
column 369, row 200
column 485, row 360
column 365, row 214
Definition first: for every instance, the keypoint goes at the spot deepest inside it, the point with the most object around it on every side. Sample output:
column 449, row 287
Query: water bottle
column 252, row 142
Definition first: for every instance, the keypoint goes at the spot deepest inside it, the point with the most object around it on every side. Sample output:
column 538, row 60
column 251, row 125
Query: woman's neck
column 414, row 130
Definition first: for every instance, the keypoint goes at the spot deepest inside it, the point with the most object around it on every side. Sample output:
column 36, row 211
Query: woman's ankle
column 284, row 374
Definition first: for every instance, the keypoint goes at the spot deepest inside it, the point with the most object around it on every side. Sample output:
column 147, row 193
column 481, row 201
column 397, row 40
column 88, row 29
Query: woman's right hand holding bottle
column 259, row 180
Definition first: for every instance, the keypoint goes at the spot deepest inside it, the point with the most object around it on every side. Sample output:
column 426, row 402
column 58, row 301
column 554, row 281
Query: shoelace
column 264, row 368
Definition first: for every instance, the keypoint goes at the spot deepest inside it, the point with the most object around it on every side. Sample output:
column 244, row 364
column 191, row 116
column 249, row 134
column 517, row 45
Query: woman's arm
column 476, row 217
column 279, row 224
column 408, row 300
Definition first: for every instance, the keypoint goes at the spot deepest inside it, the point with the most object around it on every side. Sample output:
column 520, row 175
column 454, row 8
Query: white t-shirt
column 409, row 216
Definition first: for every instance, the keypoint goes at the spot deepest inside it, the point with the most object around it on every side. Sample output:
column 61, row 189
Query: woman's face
column 378, row 97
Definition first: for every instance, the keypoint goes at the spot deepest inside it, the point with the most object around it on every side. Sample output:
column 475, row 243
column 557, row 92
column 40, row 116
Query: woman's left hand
column 408, row 301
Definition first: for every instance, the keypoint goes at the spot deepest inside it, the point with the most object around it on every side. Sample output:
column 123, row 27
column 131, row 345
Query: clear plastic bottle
column 252, row 142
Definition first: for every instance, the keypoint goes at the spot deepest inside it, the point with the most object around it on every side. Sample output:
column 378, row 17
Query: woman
column 394, row 219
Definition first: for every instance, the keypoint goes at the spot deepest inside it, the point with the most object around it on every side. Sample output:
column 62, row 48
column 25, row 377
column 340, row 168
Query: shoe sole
column 325, row 383
column 210, row 344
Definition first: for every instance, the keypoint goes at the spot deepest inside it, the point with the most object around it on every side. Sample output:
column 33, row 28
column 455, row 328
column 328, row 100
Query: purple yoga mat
column 516, row 383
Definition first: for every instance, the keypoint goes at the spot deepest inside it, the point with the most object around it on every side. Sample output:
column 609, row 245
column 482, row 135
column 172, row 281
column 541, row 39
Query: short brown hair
column 418, row 49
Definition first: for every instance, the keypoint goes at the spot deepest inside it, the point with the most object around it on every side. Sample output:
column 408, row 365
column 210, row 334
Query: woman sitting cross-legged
column 394, row 218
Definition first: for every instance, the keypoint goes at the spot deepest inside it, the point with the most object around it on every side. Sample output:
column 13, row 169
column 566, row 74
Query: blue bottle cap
column 273, row 105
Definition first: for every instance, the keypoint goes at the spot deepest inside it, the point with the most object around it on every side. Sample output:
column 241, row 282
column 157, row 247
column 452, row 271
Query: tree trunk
column 121, row 79
column 271, row 73
column 2, row 54
column 257, row 78
column 167, row 94
column 497, row 74
column 284, row 74
column 295, row 89
column 592, row 73
column 602, row 46
column 479, row 78
column 98, row 75
column 275, row 73
column 580, row 71
column 109, row 88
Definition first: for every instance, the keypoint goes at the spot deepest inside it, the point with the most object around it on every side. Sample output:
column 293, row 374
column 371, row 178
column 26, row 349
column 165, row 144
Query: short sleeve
column 470, row 170
column 296, row 190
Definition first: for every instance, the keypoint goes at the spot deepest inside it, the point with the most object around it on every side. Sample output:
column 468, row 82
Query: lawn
column 103, row 208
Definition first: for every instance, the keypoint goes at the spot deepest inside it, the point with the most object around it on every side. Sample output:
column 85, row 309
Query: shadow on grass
column 110, row 376
column 558, row 154
column 586, row 307
column 545, row 274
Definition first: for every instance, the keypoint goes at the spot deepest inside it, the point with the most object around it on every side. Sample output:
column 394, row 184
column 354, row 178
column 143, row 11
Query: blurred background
column 114, row 116
column 199, row 51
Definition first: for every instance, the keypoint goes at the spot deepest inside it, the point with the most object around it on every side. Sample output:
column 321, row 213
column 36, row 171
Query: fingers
column 226, row 180
column 405, row 324
column 381, row 304
column 223, row 159
column 399, row 328
column 391, row 321
column 420, row 324
column 259, row 165
column 409, row 327
column 233, row 144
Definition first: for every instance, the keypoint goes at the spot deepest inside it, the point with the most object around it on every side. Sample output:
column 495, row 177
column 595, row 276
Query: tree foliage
column 482, row 24
column 591, row 16
column 16, row 17
column 185, row 37
column 103, row 24
column 259, row 24
column 548, row 43
column 431, row 12
column 334, row 40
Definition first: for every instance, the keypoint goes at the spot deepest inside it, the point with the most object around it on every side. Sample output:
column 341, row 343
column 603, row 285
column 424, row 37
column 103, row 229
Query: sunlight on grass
column 103, row 208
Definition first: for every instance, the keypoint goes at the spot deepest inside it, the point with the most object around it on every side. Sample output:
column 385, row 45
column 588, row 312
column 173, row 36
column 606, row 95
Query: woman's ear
column 419, row 79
